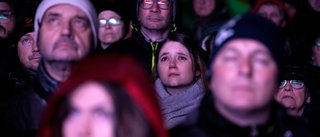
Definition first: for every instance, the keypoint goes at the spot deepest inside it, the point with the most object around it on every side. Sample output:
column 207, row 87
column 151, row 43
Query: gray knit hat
column 84, row 5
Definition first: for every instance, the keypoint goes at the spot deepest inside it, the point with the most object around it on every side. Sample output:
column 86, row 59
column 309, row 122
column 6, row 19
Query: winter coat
column 208, row 122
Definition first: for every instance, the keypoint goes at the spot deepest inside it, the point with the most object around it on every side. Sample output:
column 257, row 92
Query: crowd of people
column 140, row 68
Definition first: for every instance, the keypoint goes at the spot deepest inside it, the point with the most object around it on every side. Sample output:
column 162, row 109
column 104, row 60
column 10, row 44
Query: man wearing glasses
column 8, row 55
column 7, row 20
column 66, row 32
column 153, row 21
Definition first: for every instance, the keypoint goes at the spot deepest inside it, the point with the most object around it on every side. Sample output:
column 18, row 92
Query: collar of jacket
column 48, row 84
column 209, row 119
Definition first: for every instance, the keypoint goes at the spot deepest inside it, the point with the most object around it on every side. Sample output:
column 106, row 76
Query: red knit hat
column 119, row 69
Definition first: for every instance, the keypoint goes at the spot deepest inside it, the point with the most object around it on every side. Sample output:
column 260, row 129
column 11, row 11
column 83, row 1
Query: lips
column 173, row 74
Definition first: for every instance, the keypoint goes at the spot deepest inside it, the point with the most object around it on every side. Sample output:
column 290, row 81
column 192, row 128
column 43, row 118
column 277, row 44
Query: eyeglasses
column 163, row 4
column 296, row 84
column 5, row 16
column 111, row 21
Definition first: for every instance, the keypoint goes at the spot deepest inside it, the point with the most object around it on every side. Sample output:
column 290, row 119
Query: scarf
column 175, row 108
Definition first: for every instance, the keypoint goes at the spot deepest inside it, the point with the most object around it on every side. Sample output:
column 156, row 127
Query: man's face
column 292, row 98
column 271, row 12
column 244, row 76
column 315, row 4
column 203, row 8
column 28, row 51
column 7, row 20
column 65, row 34
column 155, row 17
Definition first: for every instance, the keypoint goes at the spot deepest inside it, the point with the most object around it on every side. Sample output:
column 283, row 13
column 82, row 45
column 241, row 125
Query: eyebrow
column 179, row 53
column 52, row 15
column 80, row 17
column 26, row 35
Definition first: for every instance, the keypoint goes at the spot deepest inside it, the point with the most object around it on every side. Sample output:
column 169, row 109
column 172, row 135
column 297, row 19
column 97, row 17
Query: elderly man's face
column 155, row 17
column 244, row 76
column 65, row 34
column 7, row 20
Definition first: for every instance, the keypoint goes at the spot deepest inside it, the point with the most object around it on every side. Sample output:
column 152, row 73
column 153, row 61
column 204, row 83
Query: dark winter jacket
column 207, row 122
column 140, row 47
column 21, row 111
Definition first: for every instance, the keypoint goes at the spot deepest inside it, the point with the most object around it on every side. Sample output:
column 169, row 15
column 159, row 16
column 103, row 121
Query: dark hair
column 196, row 53
column 129, row 119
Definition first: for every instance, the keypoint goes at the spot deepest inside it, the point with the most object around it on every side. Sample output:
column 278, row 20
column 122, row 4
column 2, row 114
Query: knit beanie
column 24, row 26
column 85, row 5
column 251, row 26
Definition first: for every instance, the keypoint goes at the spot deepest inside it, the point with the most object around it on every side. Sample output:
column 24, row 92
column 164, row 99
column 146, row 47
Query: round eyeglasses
column 5, row 16
column 111, row 21
column 296, row 84
column 163, row 4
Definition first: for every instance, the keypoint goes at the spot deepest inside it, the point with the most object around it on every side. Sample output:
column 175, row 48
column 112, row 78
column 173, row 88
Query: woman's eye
column 164, row 59
column 182, row 58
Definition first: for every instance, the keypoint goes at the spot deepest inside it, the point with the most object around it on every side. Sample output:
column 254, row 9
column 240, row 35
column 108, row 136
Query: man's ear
column 308, row 100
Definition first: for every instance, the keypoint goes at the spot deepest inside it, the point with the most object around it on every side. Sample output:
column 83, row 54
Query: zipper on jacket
column 154, row 48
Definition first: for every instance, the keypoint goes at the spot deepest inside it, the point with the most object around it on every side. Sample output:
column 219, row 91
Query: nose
column 66, row 29
column 107, row 26
column 84, row 128
column 245, row 68
column 155, row 7
column 172, row 63
column 287, row 87
column 35, row 47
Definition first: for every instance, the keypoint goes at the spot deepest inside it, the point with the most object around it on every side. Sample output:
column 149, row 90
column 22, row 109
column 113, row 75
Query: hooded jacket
column 122, row 70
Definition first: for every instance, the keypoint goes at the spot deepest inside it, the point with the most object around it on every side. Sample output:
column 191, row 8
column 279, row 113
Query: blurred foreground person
column 244, row 75
column 104, row 97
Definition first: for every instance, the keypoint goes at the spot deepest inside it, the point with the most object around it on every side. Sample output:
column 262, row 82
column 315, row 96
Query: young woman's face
column 175, row 66
column 92, row 112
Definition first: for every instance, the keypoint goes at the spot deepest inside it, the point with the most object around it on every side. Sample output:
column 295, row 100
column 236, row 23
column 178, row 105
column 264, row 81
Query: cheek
column 84, row 40
column 161, row 69
column 24, row 52
column 103, row 128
